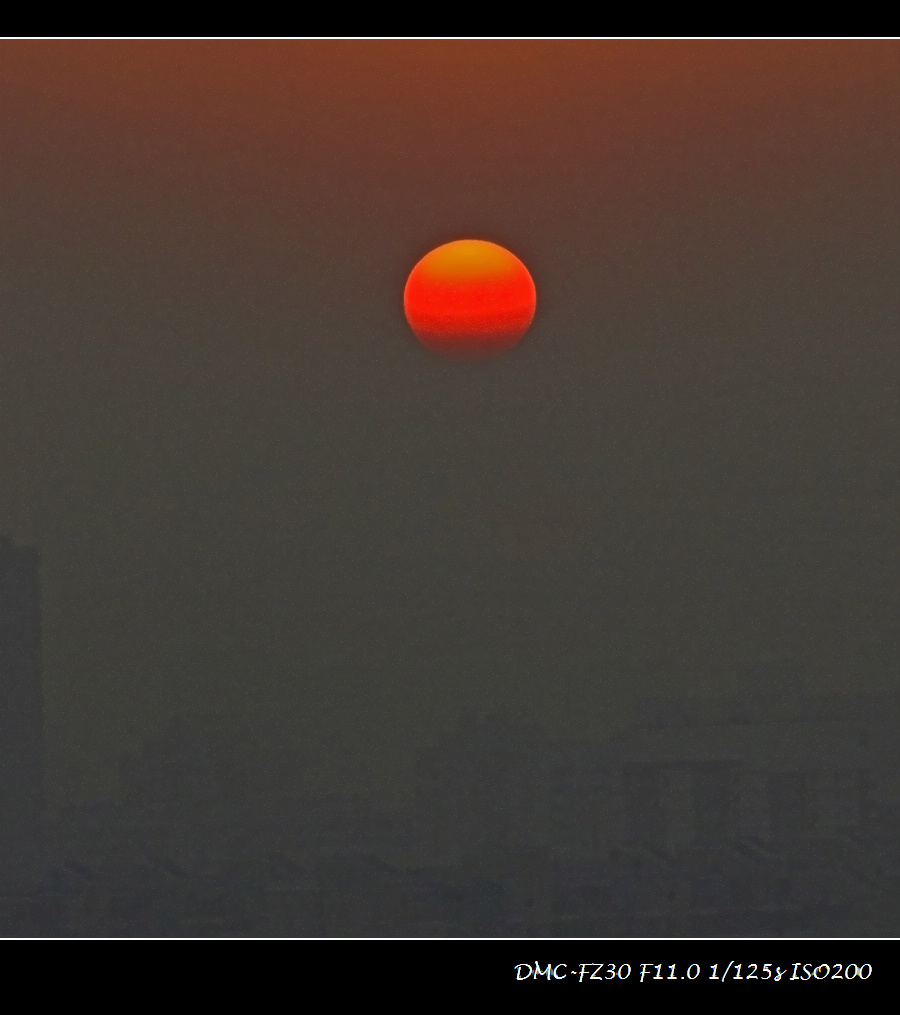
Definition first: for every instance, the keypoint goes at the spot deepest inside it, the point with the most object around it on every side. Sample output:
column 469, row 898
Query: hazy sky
column 253, row 490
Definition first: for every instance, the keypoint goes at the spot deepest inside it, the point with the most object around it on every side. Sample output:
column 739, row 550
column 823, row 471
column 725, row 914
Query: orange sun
column 469, row 298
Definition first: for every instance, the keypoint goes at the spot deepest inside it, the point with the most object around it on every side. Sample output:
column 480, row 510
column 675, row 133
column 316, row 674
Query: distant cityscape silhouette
column 773, row 811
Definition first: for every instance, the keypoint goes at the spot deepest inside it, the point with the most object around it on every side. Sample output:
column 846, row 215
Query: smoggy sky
column 255, row 492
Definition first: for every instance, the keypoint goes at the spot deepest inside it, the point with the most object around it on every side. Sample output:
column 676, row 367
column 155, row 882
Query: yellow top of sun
column 468, row 259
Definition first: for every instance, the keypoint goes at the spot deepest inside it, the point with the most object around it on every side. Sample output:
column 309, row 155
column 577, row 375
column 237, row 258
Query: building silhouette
column 22, row 799
column 773, row 762
column 766, row 812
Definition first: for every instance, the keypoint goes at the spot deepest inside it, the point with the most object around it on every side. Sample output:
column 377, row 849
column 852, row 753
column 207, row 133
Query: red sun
column 469, row 298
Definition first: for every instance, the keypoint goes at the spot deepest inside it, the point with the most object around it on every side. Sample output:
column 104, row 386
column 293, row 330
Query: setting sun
column 469, row 298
